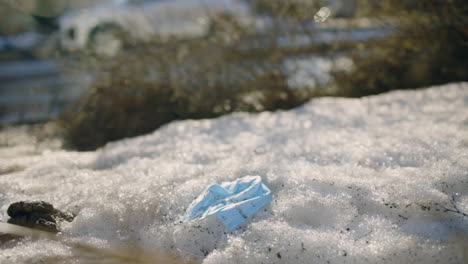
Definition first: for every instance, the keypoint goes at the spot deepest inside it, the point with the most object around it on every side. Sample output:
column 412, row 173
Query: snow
column 353, row 181
column 314, row 71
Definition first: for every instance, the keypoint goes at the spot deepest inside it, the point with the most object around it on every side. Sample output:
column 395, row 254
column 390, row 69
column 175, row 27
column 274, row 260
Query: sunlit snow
column 371, row 180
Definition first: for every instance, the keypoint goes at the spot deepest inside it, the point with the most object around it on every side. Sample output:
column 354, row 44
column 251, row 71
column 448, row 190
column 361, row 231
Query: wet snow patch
column 382, row 179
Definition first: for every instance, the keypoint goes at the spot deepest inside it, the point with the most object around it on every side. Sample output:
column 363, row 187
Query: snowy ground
column 354, row 181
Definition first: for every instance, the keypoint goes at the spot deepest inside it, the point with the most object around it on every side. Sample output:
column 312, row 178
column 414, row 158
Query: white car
column 103, row 28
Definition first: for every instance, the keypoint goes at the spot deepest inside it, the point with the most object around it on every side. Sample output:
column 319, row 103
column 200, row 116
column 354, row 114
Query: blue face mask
column 231, row 202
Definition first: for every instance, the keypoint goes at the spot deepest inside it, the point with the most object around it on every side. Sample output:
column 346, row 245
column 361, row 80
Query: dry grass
column 151, row 84
column 234, row 69
column 88, row 254
column 429, row 47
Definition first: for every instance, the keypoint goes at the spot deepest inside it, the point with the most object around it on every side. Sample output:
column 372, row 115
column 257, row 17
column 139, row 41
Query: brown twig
column 455, row 208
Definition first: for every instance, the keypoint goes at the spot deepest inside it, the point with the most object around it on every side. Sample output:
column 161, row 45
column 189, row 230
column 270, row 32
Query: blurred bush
column 150, row 84
column 234, row 69
column 291, row 9
column 429, row 47
column 12, row 21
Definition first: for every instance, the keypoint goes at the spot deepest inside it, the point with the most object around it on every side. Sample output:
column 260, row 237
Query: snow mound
column 382, row 179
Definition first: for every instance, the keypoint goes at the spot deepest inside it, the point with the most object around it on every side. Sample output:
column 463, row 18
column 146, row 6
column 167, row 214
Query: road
column 37, row 90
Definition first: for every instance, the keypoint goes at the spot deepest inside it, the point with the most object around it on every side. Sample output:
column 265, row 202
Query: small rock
column 38, row 215
column 22, row 208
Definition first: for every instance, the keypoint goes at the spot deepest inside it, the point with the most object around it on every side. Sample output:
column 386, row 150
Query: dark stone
column 21, row 208
column 38, row 221
column 37, row 215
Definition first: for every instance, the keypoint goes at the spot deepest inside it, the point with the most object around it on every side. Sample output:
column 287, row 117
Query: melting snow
column 371, row 180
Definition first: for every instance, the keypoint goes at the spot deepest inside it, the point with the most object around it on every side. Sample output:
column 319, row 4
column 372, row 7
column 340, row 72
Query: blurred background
column 91, row 72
